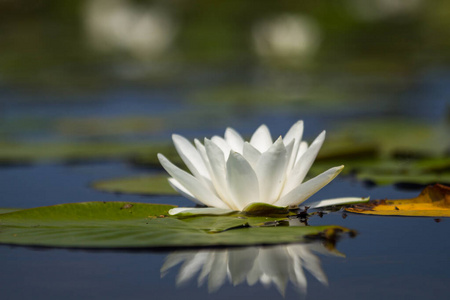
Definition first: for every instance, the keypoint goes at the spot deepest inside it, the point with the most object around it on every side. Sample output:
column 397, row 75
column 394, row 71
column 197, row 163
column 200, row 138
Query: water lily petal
column 242, row 181
column 307, row 189
column 251, row 154
column 222, row 144
column 192, row 184
column 182, row 190
column 199, row 211
column 270, row 171
column 219, row 172
column 190, row 157
column 202, row 151
column 301, row 150
column 338, row 201
column 289, row 156
column 294, row 134
column 301, row 168
column 261, row 139
column 234, row 139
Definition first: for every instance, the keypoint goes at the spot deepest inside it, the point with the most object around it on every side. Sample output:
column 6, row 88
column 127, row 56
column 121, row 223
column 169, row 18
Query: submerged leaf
column 141, row 225
column 433, row 201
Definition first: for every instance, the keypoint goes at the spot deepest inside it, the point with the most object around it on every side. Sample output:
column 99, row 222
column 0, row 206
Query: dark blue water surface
column 390, row 258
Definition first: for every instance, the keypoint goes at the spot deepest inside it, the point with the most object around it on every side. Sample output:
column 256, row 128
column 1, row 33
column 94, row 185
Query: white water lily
column 229, row 173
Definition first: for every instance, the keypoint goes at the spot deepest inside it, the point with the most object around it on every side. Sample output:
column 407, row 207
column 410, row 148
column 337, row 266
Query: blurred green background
column 84, row 44
column 85, row 75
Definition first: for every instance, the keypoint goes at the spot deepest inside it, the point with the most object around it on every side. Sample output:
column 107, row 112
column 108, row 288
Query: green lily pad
column 150, row 159
column 399, row 136
column 417, row 179
column 20, row 153
column 142, row 185
column 91, row 126
column 389, row 152
column 140, row 225
column 98, row 126
column 8, row 210
column 417, row 171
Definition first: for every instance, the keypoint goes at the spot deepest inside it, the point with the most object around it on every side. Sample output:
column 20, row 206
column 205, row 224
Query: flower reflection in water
column 275, row 265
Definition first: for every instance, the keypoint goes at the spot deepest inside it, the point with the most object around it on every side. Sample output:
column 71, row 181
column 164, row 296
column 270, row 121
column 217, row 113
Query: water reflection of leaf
column 433, row 201
column 277, row 265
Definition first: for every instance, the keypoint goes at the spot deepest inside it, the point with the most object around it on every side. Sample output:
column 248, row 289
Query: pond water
column 132, row 72
column 390, row 258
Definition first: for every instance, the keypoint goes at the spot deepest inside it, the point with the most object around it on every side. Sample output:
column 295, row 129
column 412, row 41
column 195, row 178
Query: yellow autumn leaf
column 433, row 201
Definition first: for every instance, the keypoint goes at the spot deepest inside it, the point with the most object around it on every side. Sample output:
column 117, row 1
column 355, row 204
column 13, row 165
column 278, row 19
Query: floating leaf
column 8, row 210
column 417, row 171
column 389, row 152
column 422, row 179
column 141, row 225
column 400, row 136
column 433, row 201
column 19, row 153
column 217, row 223
column 143, row 185
column 99, row 126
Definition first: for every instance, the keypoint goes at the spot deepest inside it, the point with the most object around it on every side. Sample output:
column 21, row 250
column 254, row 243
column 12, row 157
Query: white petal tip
column 338, row 201
column 192, row 211
column 322, row 135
